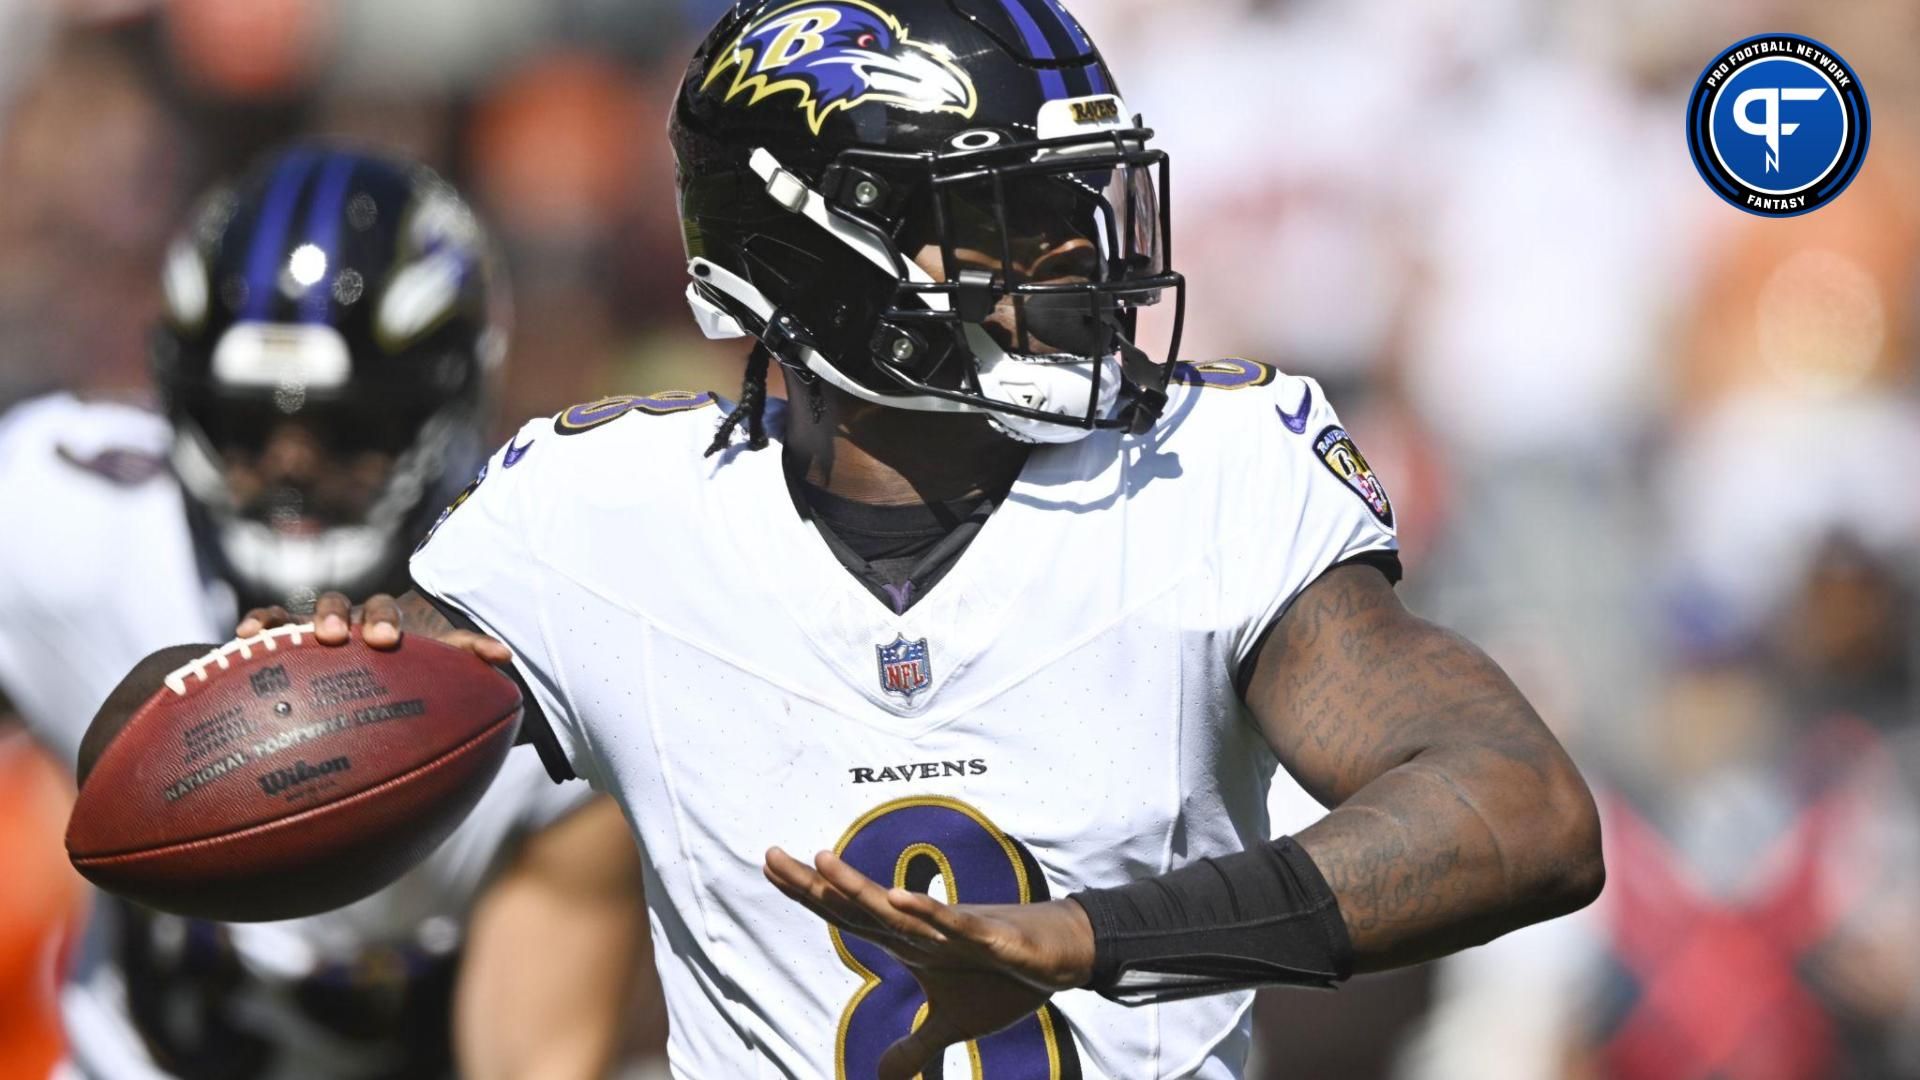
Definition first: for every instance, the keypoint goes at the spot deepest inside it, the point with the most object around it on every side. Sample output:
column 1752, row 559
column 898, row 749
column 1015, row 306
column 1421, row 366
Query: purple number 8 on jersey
column 907, row 843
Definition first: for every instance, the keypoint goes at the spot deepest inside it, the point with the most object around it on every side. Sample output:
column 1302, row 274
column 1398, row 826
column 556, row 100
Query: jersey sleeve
column 477, row 565
column 78, row 603
column 1312, row 503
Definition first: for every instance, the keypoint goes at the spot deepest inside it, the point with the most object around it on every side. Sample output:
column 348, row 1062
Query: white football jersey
column 97, row 569
column 1058, row 712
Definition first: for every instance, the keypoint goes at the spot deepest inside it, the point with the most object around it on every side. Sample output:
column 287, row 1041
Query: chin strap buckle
column 786, row 338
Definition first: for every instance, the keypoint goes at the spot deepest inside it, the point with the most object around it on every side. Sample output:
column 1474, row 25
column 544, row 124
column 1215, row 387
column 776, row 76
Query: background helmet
column 347, row 293
column 822, row 144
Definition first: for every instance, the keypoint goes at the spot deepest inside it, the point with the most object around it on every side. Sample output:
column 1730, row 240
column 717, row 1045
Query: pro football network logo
column 905, row 667
column 837, row 54
column 1778, row 125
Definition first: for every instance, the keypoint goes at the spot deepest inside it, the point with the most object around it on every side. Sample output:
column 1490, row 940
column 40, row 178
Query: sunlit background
column 1658, row 455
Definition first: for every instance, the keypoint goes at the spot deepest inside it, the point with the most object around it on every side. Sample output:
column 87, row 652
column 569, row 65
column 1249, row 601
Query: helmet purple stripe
column 1096, row 78
column 271, row 232
column 1052, row 83
column 323, row 231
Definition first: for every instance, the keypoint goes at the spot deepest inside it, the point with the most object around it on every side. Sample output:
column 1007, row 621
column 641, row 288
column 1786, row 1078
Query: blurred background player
column 327, row 361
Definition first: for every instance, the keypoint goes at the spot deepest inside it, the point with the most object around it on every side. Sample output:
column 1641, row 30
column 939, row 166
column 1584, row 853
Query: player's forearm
column 1459, row 816
column 564, row 1059
column 552, row 949
column 547, row 1004
column 1454, row 848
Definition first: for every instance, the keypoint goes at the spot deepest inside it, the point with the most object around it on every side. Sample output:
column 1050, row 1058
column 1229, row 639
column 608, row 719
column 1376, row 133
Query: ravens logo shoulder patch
column 1336, row 450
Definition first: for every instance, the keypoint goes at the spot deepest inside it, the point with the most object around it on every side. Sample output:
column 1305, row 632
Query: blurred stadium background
column 1658, row 455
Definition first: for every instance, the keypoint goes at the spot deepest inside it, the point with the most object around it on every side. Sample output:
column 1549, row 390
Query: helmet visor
column 1052, row 223
column 1051, row 255
column 320, row 466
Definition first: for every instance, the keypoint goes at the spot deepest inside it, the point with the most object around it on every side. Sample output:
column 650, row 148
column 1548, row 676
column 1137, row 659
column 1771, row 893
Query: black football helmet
column 347, row 296
column 940, row 205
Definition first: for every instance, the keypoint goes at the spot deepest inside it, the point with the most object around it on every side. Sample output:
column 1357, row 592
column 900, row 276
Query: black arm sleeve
column 534, row 727
column 1256, row 918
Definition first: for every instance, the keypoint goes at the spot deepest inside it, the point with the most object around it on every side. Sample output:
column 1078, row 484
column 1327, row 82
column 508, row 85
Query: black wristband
column 1255, row 918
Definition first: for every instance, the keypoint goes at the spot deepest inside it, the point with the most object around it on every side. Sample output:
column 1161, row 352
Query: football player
column 326, row 362
column 1008, row 618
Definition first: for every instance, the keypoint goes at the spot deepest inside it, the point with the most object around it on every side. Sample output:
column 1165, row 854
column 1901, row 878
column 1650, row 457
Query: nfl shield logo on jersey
column 905, row 668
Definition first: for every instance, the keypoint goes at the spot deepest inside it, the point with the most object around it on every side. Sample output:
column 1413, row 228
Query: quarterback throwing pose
column 1006, row 618
column 326, row 362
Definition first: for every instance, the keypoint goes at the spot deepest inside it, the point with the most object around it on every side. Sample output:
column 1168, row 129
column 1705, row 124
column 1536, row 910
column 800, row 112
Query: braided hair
column 752, row 409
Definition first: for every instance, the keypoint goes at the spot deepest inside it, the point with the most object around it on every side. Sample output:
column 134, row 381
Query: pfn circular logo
column 1778, row 125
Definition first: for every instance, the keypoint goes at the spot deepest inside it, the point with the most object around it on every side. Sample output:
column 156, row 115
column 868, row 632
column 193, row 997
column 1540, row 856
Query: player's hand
column 380, row 619
column 983, row 966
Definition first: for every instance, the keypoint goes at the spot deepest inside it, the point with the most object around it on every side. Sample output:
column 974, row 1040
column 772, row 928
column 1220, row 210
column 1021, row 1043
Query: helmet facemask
column 374, row 467
column 1000, row 277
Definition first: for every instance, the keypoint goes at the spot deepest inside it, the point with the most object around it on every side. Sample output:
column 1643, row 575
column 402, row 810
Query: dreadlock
column 752, row 409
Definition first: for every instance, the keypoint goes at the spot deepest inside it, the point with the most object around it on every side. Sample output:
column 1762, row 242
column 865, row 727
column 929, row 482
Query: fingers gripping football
column 333, row 616
column 383, row 619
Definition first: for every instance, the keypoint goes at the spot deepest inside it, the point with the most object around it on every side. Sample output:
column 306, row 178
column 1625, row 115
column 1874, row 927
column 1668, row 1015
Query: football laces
column 223, row 656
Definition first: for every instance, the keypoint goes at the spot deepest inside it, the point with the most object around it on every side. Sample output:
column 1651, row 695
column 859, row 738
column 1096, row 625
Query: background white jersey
column 97, row 570
column 1058, row 712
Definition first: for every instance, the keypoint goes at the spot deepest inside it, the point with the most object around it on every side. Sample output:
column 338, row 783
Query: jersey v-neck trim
column 858, row 533
column 843, row 622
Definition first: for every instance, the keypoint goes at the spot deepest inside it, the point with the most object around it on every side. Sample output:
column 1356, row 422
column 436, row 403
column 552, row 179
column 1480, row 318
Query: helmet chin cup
column 1051, row 386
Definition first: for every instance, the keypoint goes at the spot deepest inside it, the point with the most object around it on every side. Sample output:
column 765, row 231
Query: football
column 276, row 777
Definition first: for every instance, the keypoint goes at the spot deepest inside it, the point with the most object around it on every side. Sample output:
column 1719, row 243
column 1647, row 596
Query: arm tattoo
column 1453, row 801
column 419, row 616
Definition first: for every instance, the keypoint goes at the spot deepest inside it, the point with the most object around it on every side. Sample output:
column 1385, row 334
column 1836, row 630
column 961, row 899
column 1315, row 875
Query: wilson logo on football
column 301, row 772
column 837, row 55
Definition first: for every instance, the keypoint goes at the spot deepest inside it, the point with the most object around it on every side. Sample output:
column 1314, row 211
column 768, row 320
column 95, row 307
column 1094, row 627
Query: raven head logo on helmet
column 935, row 205
column 837, row 55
